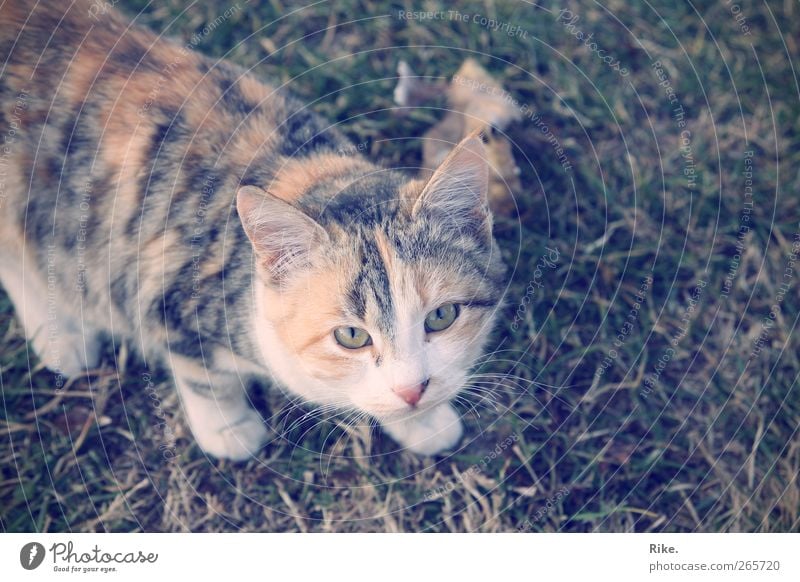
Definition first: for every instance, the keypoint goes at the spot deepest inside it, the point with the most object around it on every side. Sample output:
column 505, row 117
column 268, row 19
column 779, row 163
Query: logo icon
column 31, row 555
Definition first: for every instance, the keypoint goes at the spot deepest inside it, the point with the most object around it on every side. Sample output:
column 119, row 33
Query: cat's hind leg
column 216, row 406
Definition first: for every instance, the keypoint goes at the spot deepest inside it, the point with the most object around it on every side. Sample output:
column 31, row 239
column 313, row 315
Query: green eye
column 441, row 318
column 352, row 337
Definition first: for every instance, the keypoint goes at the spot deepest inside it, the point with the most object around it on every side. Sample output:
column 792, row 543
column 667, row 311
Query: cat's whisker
column 483, row 393
column 458, row 399
column 485, row 390
column 488, row 405
column 521, row 383
column 298, row 403
column 512, row 365
column 350, row 427
column 326, row 416
column 309, row 416
column 493, row 389
column 286, row 410
column 484, row 399
column 503, row 375
column 540, row 384
column 506, row 374
column 319, row 421
column 505, row 382
column 355, row 415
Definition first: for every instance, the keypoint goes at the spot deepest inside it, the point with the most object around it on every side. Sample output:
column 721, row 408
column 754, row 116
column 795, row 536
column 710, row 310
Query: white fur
column 223, row 422
column 60, row 339
column 457, row 192
column 427, row 432
column 431, row 427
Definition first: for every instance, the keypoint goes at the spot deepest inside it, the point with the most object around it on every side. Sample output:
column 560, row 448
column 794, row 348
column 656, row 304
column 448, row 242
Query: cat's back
column 125, row 153
column 53, row 48
column 107, row 101
column 115, row 137
column 70, row 56
column 98, row 104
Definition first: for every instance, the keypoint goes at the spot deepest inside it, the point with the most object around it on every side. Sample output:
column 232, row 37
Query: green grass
column 714, row 446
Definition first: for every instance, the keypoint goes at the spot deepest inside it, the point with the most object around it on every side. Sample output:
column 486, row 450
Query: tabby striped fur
column 156, row 196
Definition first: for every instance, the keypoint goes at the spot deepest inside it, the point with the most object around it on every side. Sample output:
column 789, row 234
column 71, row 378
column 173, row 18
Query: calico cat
column 156, row 196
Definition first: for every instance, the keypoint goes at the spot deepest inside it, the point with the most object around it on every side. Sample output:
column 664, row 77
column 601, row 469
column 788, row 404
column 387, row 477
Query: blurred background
column 644, row 372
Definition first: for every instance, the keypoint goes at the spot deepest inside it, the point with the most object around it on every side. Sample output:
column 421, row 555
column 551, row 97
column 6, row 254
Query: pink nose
column 411, row 394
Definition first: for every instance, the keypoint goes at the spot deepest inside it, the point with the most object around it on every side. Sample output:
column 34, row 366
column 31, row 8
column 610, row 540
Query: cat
column 152, row 195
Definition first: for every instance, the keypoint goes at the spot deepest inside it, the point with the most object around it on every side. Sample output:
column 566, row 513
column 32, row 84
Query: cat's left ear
column 457, row 193
column 282, row 236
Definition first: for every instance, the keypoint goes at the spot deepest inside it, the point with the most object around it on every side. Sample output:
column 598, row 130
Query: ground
column 645, row 376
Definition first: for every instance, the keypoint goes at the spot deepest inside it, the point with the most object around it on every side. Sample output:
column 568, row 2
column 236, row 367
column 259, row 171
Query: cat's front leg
column 217, row 408
column 429, row 432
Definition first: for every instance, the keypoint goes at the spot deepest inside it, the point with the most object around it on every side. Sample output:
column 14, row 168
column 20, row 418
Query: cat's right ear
column 282, row 236
column 457, row 193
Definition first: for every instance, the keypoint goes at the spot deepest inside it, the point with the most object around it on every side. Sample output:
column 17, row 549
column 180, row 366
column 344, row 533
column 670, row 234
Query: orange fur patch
column 298, row 175
column 304, row 318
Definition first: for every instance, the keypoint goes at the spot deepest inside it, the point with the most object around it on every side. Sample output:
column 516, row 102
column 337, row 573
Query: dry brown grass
column 713, row 447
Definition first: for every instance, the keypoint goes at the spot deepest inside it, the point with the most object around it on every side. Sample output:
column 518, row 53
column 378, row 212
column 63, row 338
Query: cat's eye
column 352, row 338
column 441, row 318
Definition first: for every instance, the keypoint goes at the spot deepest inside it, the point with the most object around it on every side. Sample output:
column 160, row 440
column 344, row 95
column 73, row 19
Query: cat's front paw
column 429, row 432
column 237, row 441
column 69, row 353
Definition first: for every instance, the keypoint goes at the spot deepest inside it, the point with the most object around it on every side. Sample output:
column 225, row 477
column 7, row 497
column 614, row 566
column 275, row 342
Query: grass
column 706, row 440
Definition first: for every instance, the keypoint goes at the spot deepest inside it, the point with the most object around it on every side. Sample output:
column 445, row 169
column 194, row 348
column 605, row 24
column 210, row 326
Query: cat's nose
column 411, row 394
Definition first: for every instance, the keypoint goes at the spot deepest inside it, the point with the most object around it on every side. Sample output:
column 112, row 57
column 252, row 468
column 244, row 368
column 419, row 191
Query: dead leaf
column 476, row 102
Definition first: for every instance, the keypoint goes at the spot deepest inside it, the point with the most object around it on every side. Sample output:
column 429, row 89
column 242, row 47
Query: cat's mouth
column 404, row 412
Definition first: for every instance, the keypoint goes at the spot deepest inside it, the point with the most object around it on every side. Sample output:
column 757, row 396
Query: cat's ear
column 282, row 236
column 457, row 193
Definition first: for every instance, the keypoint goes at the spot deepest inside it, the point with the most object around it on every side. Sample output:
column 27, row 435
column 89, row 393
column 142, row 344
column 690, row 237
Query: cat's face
column 383, row 302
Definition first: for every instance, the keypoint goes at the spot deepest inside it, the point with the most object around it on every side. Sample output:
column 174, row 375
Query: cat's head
column 374, row 293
